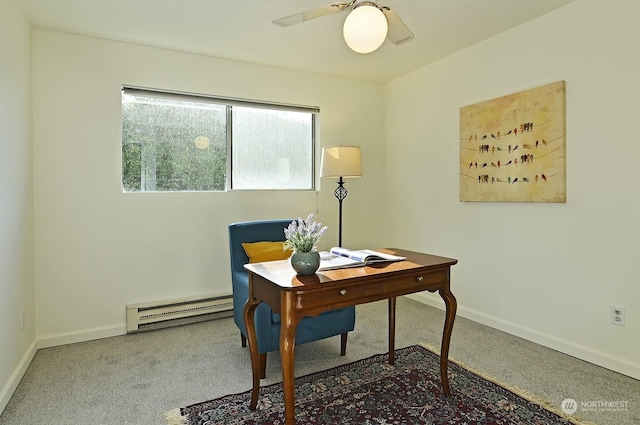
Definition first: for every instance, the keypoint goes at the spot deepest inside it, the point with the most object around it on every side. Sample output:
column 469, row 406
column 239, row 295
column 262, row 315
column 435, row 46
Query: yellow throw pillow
column 265, row 251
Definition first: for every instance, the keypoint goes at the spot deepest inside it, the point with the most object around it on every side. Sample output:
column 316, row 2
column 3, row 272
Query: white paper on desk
column 365, row 256
column 341, row 258
column 328, row 261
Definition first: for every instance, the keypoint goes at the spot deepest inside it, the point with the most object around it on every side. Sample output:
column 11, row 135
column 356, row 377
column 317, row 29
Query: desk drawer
column 352, row 294
column 416, row 282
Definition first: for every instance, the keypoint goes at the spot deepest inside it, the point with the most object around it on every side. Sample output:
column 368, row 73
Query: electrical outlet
column 617, row 315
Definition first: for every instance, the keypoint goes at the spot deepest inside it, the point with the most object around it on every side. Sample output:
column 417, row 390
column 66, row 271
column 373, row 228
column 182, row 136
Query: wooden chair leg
column 263, row 365
column 343, row 344
column 263, row 357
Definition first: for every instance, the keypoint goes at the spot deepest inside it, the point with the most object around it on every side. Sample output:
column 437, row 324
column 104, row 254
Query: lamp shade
column 365, row 28
column 341, row 161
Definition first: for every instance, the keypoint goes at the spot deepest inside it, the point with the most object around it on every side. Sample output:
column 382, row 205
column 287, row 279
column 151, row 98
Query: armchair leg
column 243, row 340
column 343, row 343
column 263, row 365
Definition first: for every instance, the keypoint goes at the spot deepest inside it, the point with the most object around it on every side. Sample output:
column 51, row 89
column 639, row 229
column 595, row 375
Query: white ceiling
column 242, row 30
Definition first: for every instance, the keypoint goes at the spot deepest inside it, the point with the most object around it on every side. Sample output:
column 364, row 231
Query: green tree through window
column 181, row 143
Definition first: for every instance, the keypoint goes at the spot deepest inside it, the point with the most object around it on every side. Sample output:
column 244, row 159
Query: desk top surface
column 282, row 274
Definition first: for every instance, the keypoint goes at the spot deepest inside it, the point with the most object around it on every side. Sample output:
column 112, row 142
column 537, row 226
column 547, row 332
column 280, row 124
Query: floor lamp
column 343, row 162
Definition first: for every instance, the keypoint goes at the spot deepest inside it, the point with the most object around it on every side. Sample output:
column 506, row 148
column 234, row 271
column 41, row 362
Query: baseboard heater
column 180, row 311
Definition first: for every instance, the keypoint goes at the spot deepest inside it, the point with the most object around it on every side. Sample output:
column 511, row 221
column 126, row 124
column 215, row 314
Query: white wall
column 98, row 249
column 16, row 203
column 547, row 272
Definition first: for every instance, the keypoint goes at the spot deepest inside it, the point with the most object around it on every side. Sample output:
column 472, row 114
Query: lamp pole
column 340, row 161
column 341, row 193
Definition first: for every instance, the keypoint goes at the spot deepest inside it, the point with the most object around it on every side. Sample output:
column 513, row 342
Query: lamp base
column 341, row 193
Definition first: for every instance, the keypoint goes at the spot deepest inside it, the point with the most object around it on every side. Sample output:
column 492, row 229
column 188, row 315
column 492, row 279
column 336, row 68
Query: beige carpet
column 136, row 379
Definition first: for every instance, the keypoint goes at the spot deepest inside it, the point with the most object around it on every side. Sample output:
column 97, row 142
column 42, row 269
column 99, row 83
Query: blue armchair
column 330, row 323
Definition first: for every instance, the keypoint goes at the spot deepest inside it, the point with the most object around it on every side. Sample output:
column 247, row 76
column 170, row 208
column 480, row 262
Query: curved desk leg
column 288, row 326
column 248, row 312
column 451, row 306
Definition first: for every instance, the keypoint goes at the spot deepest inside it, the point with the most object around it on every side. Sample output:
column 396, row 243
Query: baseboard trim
column 54, row 340
column 606, row 360
column 17, row 375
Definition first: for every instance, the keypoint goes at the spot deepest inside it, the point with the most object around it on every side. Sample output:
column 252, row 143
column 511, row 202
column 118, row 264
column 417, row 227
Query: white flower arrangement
column 303, row 235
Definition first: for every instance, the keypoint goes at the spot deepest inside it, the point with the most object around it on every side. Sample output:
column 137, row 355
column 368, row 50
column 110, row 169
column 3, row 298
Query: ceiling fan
column 366, row 26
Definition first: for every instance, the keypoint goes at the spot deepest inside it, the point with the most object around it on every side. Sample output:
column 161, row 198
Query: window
column 181, row 142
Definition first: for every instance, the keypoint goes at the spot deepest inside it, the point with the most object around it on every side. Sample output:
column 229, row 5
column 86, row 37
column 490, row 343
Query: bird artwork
column 501, row 136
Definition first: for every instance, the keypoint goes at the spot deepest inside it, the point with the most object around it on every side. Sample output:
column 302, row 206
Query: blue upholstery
column 330, row 323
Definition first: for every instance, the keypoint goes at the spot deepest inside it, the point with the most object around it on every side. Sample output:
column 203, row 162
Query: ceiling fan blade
column 310, row 14
column 398, row 32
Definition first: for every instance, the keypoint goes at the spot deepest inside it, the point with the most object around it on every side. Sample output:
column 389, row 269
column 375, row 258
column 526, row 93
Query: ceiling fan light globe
column 365, row 29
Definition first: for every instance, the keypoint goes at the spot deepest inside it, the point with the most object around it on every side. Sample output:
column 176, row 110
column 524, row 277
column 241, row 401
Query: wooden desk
column 295, row 297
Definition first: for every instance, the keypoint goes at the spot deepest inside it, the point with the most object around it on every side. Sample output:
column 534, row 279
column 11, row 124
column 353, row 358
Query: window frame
column 229, row 103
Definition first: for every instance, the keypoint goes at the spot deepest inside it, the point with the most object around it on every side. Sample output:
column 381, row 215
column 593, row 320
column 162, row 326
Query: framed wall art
column 513, row 148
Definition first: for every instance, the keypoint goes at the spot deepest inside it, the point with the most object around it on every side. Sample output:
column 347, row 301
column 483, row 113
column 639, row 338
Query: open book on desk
column 340, row 258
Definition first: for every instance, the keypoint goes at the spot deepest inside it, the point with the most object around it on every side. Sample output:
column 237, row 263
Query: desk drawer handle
column 419, row 278
column 343, row 292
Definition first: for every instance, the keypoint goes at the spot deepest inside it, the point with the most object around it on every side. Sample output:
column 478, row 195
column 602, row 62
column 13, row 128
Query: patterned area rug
column 371, row 391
